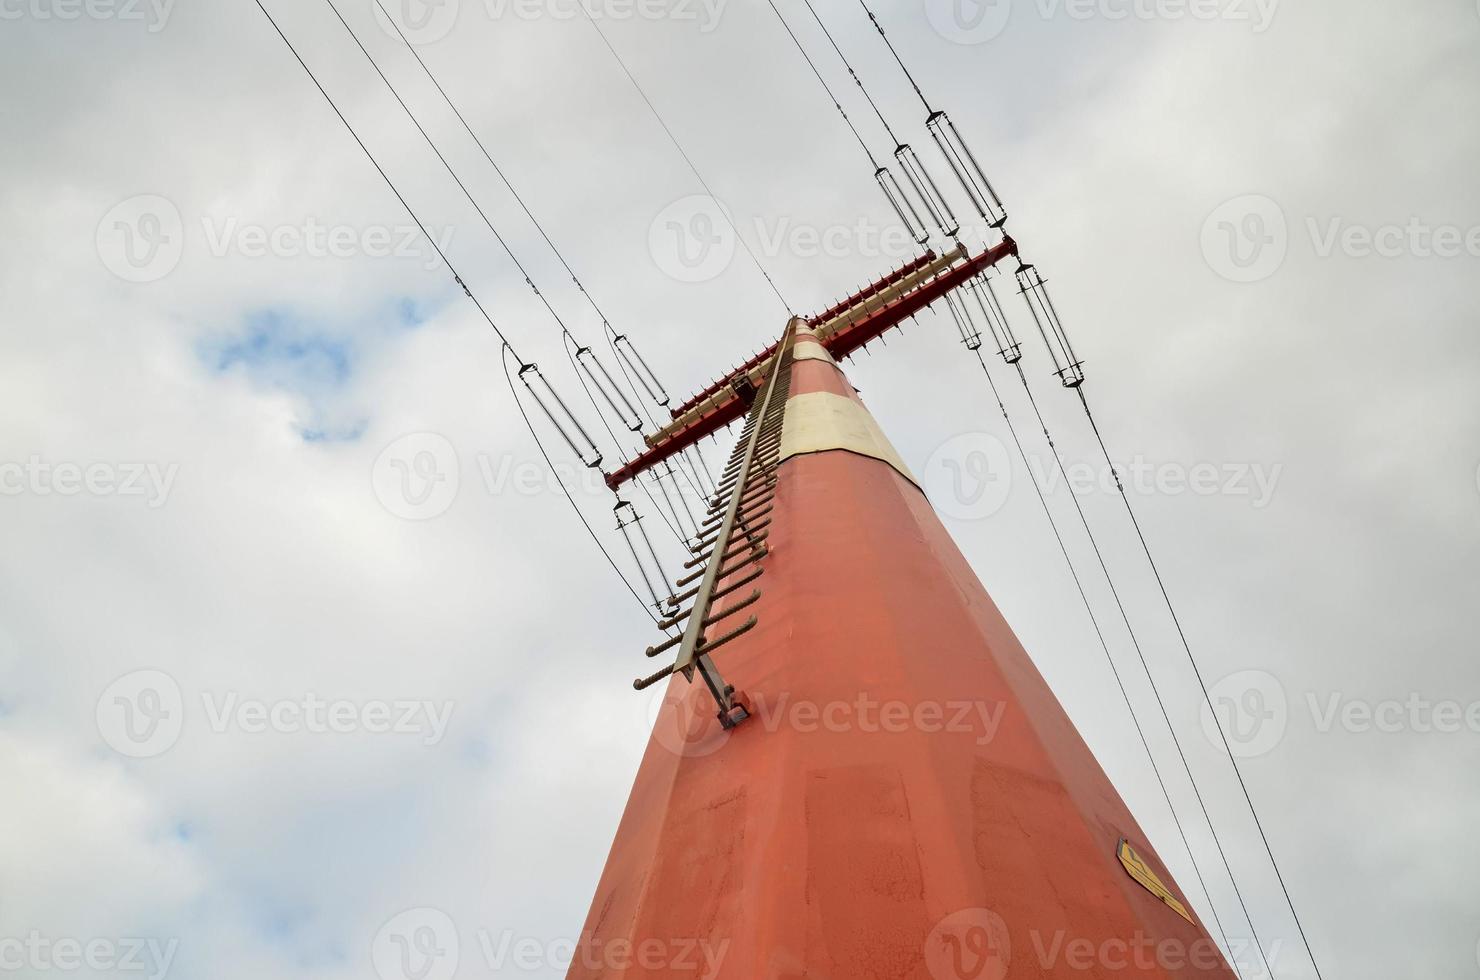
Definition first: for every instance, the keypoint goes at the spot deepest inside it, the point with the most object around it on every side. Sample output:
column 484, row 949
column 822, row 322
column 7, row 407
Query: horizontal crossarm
column 842, row 329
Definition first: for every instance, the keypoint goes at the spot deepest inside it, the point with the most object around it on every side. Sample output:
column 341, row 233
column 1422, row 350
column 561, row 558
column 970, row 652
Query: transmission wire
column 683, row 153
column 508, row 346
column 1099, row 633
column 1146, row 667
column 1207, row 698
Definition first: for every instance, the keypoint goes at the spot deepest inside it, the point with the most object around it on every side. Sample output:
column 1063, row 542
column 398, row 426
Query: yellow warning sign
column 1138, row 869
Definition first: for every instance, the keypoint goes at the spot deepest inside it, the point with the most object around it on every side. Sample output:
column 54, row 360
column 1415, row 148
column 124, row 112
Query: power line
column 565, row 491
column 823, row 82
column 1207, row 698
column 965, row 166
column 567, row 336
column 445, row 164
column 519, row 199
column 386, row 177
column 858, row 81
column 507, row 347
column 904, row 206
column 1146, row 667
column 890, row 44
column 1100, row 635
column 683, row 153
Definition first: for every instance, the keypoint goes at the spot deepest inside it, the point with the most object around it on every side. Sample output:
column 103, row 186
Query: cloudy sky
column 262, row 470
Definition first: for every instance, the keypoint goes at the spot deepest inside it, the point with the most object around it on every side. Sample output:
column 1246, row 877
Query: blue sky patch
column 280, row 349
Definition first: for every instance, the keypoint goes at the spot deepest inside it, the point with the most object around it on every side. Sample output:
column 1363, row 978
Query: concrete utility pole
column 873, row 781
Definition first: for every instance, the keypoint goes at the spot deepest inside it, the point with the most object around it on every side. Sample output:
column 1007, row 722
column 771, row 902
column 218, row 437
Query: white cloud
column 273, row 570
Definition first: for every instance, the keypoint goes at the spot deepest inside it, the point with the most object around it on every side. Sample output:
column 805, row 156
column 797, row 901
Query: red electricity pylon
column 872, row 780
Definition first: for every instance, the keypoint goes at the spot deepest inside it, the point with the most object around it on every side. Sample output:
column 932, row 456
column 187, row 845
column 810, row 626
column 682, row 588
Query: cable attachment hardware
column 927, row 191
column 963, row 163
column 611, row 393
column 590, row 456
column 1066, row 364
column 903, row 207
column 986, row 300
column 970, row 336
column 629, row 522
column 639, row 367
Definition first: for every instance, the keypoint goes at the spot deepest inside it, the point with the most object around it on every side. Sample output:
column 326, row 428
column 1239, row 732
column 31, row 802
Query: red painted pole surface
column 909, row 799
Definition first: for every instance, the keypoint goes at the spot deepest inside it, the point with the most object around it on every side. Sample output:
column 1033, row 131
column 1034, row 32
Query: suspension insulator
column 639, row 367
column 925, row 188
column 902, row 205
column 963, row 163
column 611, row 392
column 629, row 522
column 986, row 300
column 585, row 450
column 970, row 336
column 684, row 522
column 1067, row 366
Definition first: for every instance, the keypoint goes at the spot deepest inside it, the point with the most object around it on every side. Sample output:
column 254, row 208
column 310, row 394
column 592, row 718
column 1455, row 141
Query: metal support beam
column 841, row 329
